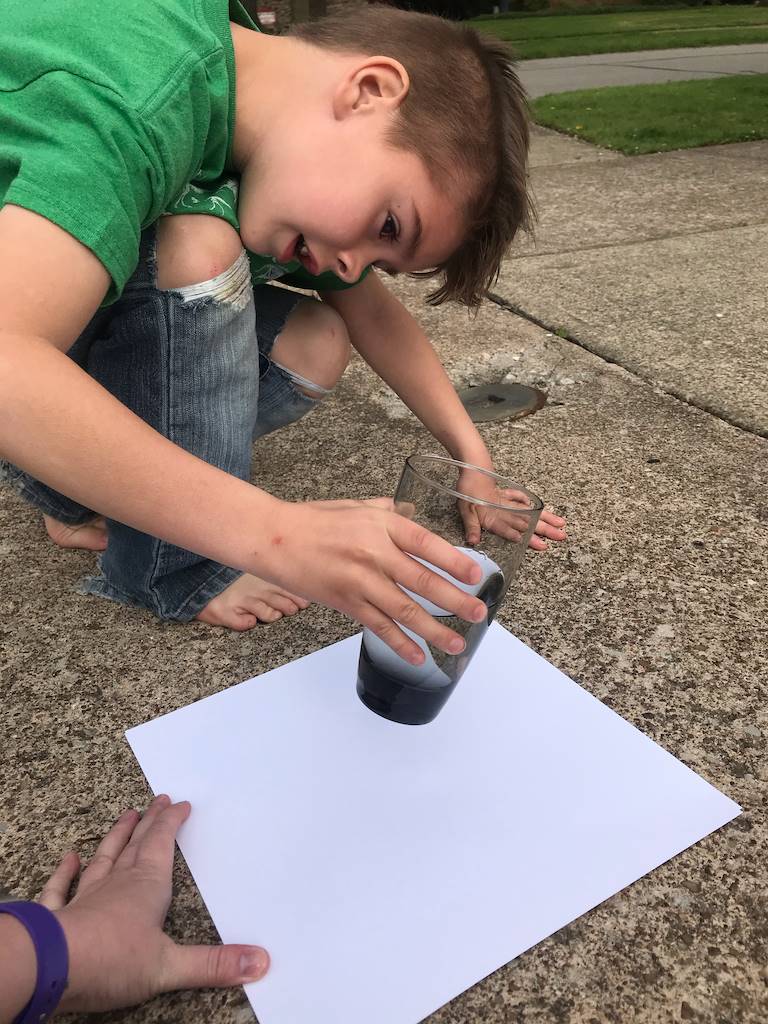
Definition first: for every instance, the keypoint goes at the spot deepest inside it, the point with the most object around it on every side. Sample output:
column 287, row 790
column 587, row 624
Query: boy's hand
column 505, row 523
column 119, row 954
column 355, row 556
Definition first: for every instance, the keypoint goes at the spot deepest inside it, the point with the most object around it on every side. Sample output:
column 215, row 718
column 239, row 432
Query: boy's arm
column 64, row 428
column 395, row 346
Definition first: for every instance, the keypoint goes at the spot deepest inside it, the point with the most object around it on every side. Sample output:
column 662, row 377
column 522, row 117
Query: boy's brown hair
column 465, row 115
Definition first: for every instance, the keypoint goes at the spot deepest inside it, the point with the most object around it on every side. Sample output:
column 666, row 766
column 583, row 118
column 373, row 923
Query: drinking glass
column 445, row 496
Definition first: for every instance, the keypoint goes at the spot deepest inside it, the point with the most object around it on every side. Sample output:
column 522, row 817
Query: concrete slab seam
column 566, row 335
column 625, row 244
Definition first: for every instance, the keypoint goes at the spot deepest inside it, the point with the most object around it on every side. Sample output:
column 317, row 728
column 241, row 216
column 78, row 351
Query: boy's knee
column 194, row 248
column 314, row 344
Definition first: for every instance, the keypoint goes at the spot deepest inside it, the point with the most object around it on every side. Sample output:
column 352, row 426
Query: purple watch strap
column 52, row 959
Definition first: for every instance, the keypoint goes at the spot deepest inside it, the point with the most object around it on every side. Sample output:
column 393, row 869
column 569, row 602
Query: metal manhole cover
column 502, row 401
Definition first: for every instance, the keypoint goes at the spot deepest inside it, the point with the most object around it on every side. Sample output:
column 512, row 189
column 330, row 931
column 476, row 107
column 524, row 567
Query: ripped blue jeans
column 189, row 363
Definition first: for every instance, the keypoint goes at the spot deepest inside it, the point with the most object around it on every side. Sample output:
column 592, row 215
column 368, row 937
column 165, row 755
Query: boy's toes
column 230, row 618
column 282, row 602
column 85, row 537
column 248, row 601
column 265, row 612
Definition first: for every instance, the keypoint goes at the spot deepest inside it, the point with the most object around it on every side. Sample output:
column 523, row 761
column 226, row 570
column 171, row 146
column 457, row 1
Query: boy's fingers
column 550, row 529
column 388, row 631
column 547, row 516
column 415, row 540
column 109, row 849
column 509, row 525
column 213, row 966
column 441, row 593
column 56, row 889
column 471, row 522
column 397, row 609
column 388, row 504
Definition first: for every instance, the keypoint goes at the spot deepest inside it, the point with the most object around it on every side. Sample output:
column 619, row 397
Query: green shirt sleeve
column 72, row 151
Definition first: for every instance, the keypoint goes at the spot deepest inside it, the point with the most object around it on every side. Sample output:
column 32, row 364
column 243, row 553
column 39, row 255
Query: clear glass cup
column 445, row 496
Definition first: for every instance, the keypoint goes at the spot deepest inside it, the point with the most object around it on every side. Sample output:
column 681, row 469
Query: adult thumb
column 215, row 966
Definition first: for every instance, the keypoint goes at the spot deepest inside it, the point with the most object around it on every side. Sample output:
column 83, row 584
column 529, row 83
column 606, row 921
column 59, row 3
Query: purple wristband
column 52, row 959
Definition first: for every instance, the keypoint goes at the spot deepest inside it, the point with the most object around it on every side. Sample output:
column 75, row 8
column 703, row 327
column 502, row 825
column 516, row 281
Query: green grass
column 655, row 118
column 569, row 34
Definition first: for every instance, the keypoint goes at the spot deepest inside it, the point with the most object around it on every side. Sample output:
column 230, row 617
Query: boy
column 344, row 159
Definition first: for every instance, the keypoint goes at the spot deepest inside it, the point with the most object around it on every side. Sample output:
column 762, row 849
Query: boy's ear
column 375, row 84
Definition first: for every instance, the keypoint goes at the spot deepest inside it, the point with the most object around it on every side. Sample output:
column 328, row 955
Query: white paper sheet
column 387, row 867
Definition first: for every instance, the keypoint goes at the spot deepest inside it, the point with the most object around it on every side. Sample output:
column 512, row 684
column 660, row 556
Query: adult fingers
column 155, row 809
column 108, row 850
column 56, row 889
column 157, row 844
column 213, row 966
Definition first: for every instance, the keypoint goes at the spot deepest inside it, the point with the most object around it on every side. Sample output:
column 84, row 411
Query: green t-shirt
column 221, row 201
column 108, row 110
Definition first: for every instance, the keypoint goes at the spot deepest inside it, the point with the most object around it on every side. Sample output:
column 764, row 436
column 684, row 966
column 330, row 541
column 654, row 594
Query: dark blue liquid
column 416, row 698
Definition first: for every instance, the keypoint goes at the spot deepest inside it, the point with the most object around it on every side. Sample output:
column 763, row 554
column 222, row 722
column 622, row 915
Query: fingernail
column 479, row 614
column 456, row 646
column 254, row 965
column 416, row 659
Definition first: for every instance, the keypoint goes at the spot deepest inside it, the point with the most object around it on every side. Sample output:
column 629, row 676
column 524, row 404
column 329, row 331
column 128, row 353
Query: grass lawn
column 564, row 35
column 655, row 118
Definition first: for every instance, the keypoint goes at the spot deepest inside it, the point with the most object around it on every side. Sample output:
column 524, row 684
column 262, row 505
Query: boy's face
column 338, row 197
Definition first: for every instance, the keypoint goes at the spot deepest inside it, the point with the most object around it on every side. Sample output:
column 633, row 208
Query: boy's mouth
column 299, row 250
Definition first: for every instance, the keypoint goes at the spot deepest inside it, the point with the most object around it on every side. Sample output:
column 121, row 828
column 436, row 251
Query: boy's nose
column 348, row 267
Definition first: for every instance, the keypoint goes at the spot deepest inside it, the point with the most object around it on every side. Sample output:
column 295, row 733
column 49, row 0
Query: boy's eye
column 390, row 229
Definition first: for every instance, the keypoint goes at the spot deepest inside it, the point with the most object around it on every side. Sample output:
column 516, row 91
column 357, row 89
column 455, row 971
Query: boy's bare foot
column 250, row 600
column 90, row 536
column 241, row 606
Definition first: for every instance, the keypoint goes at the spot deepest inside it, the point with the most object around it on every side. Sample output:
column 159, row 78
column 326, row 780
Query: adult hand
column 118, row 952
column 355, row 556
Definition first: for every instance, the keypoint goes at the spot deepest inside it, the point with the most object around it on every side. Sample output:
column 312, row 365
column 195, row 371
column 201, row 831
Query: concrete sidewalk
column 563, row 74
column 658, row 262
column 650, row 443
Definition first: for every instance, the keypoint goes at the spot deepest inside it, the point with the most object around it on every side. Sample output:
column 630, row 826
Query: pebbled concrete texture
column 656, row 604
column 660, row 264
column 641, row 67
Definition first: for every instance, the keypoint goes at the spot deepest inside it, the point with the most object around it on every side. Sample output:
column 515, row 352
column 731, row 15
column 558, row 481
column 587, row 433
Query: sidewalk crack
column 626, row 243
column 565, row 335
